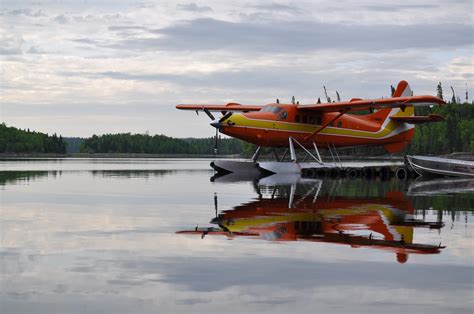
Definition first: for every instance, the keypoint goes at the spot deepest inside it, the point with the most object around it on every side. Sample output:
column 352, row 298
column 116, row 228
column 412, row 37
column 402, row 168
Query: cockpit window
column 273, row 109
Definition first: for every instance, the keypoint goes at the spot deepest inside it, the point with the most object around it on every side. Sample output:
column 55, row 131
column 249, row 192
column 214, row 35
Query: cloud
column 11, row 45
column 399, row 7
column 27, row 12
column 126, row 27
column 61, row 19
column 145, row 5
column 86, row 41
column 277, row 7
column 10, row 51
column 34, row 50
column 193, row 7
column 296, row 37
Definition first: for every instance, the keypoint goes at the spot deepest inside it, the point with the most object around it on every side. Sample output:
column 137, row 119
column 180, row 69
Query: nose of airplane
column 224, row 120
column 216, row 123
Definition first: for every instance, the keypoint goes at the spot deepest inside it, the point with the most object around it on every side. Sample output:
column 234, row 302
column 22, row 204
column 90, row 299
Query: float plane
column 388, row 122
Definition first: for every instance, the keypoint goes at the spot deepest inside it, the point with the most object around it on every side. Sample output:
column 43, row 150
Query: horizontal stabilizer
column 420, row 119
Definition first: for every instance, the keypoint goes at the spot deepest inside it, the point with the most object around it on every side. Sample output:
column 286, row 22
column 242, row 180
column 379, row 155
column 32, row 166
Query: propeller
column 209, row 114
column 226, row 116
column 217, row 125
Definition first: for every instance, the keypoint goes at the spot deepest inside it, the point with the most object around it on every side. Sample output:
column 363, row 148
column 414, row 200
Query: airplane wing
column 228, row 107
column 363, row 104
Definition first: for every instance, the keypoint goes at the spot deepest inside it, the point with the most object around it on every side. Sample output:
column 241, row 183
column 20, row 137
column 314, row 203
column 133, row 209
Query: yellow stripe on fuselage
column 274, row 125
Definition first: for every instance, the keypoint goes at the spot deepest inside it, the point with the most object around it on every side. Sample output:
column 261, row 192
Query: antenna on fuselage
column 326, row 94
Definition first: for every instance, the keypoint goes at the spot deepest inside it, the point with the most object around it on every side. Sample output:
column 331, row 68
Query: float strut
column 317, row 152
column 292, row 149
column 256, row 154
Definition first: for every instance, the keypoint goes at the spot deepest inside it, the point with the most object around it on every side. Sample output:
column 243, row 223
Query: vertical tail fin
column 401, row 132
column 403, row 89
column 383, row 115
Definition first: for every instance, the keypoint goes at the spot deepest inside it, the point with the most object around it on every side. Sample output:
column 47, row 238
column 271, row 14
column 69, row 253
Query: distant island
column 456, row 134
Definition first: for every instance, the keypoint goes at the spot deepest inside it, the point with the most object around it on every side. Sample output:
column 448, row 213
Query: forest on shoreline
column 456, row 134
column 13, row 140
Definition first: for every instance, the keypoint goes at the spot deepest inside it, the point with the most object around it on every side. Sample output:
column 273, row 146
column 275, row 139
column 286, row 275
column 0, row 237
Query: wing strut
column 325, row 125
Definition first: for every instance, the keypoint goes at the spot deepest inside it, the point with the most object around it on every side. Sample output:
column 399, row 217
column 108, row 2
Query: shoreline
column 177, row 156
column 109, row 155
column 457, row 155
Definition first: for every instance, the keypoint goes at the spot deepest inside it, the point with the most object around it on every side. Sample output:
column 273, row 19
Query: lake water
column 159, row 236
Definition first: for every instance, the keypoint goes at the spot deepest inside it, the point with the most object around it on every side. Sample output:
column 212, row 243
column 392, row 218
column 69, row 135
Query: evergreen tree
column 439, row 91
column 392, row 90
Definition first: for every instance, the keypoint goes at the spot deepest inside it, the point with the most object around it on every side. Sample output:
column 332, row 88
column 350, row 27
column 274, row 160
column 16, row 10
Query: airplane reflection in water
column 303, row 211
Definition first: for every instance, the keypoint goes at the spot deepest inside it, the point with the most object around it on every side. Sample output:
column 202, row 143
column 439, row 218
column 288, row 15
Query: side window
column 276, row 110
column 339, row 124
column 318, row 120
column 297, row 118
column 283, row 115
column 305, row 119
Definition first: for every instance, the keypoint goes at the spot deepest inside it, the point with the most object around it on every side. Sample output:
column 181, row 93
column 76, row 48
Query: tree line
column 13, row 140
column 456, row 134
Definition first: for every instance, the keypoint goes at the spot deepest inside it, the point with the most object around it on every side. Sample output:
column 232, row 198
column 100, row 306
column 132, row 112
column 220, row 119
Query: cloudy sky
column 91, row 67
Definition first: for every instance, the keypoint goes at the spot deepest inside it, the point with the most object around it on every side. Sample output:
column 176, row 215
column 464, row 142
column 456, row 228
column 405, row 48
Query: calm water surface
column 158, row 236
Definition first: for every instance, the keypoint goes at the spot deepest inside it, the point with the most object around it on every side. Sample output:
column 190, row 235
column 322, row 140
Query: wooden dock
column 401, row 172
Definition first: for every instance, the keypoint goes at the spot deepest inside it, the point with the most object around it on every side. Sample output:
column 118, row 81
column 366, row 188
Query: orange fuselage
column 275, row 123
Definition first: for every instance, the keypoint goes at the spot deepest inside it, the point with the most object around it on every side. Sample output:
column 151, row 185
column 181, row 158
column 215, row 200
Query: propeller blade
column 226, row 116
column 209, row 114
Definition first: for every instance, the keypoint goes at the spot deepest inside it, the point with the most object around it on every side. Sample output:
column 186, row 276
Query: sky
column 79, row 68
